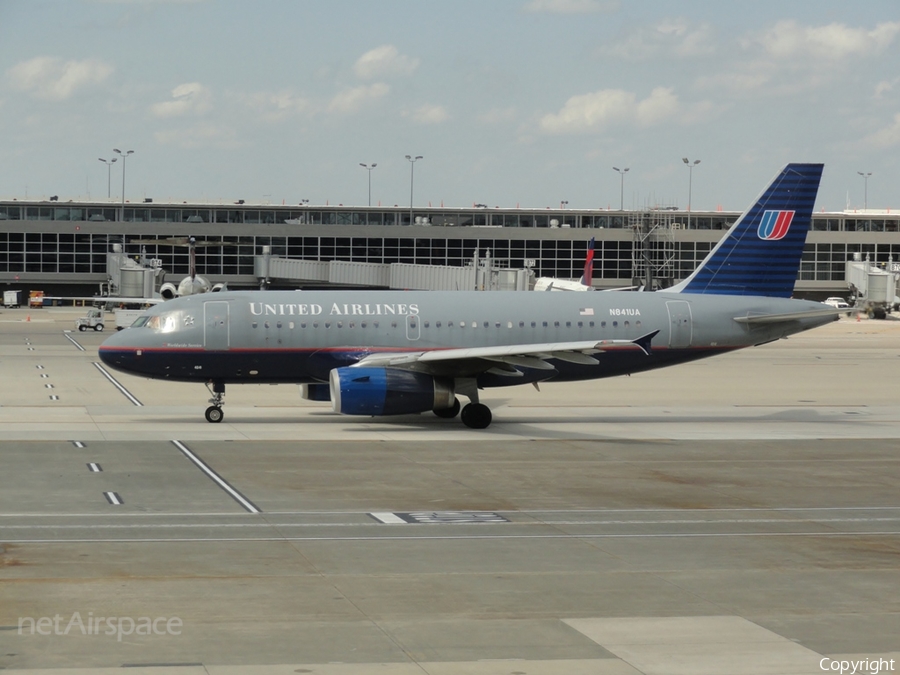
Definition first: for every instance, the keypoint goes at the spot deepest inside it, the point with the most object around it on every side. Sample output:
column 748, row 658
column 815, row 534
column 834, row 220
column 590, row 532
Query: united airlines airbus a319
column 402, row 352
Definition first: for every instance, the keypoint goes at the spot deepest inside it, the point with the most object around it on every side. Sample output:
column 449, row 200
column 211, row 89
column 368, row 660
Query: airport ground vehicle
column 837, row 303
column 126, row 317
column 93, row 320
column 11, row 298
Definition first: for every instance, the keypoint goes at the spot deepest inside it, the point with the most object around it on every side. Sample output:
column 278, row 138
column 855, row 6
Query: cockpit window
column 167, row 322
column 140, row 321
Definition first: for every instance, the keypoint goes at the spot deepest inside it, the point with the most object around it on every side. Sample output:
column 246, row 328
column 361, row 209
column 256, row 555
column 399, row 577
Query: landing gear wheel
column 449, row 413
column 99, row 328
column 214, row 412
column 476, row 416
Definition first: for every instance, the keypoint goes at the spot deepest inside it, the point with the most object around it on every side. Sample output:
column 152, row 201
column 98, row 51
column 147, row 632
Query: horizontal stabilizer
column 790, row 316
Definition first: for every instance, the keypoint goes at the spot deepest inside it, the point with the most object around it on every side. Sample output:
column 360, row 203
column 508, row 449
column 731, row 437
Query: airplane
column 583, row 284
column 402, row 352
column 193, row 283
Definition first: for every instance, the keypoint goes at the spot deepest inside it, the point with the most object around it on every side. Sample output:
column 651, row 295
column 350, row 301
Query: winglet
column 644, row 342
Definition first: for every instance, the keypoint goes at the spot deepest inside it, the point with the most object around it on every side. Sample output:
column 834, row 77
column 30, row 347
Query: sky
column 509, row 103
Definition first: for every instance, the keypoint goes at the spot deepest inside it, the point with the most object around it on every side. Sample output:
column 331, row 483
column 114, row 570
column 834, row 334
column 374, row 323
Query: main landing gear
column 214, row 412
column 475, row 415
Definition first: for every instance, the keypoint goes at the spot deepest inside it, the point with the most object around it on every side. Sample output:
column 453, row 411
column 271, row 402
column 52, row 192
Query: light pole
column 690, row 166
column 866, row 179
column 622, row 173
column 412, row 166
column 109, row 163
column 124, row 156
column 369, row 168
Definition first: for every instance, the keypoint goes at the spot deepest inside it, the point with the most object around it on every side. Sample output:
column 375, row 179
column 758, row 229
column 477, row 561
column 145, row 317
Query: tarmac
column 735, row 515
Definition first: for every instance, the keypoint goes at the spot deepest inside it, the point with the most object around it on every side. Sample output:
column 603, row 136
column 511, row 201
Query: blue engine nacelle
column 387, row 391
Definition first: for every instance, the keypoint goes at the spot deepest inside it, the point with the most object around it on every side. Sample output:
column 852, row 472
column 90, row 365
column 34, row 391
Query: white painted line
column 39, row 367
column 340, row 512
column 78, row 444
column 221, row 482
column 388, row 518
column 54, row 397
column 485, row 537
column 117, row 385
column 94, row 468
column 48, row 386
column 280, row 524
column 113, row 498
column 72, row 340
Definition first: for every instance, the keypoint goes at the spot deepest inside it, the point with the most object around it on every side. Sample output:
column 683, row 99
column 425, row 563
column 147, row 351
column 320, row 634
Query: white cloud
column 668, row 37
column 384, row 61
column 661, row 104
column 590, row 112
column 276, row 106
column 199, row 136
column 352, row 100
column 190, row 98
column 498, row 116
column 885, row 87
column 571, row 6
column 886, row 137
column 51, row 78
column 836, row 41
column 746, row 80
column 428, row 114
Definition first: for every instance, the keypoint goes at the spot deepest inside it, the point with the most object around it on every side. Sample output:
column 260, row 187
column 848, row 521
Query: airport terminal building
column 62, row 247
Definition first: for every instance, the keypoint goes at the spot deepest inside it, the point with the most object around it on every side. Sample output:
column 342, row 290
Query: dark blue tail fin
column 760, row 254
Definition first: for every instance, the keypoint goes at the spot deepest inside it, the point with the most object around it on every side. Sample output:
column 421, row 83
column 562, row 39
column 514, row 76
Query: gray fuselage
column 300, row 336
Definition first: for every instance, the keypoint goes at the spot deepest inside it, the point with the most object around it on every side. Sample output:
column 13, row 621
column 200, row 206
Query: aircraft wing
column 527, row 356
column 790, row 316
column 102, row 299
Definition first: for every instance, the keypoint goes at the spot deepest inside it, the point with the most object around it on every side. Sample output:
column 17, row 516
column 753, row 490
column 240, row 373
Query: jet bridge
column 874, row 287
column 482, row 273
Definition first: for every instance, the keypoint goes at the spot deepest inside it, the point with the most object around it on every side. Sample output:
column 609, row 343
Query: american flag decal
column 586, row 311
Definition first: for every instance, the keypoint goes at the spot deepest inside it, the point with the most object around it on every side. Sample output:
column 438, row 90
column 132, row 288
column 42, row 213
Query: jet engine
column 315, row 392
column 168, row 291
column 387, row 391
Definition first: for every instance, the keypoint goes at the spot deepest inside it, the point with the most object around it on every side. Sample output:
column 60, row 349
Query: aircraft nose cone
column 116, row 352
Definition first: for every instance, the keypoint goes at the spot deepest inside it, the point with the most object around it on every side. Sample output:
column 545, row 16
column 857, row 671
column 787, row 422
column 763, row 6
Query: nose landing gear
column 214, row 412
